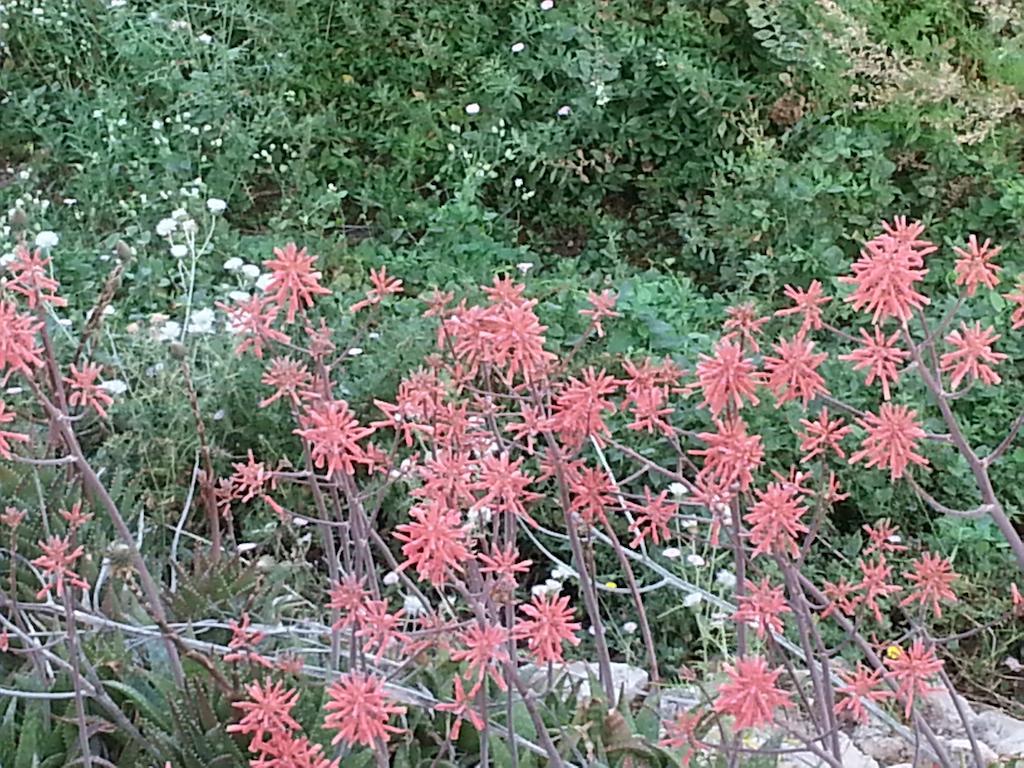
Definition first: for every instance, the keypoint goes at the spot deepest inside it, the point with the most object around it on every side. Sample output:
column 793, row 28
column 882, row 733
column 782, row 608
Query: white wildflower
column 692, row 600
column 726, row 578
column 114, row 386
column 216, row 205
column 524, row 266
column 390, row 578
column 547, row 5
column 202, row 321
column 564, row 111
column 179, row 251
column 165, row 227
column 630, row 627
column 169, row 331
column 232, row 264
column 671, row 553
column 562, row 572
column 413, row 606
column 678, row 489
column 695, row 560
column 251, row 271
column 47, row 239
column 473, row 109
column 518, row 47
column 264, row 280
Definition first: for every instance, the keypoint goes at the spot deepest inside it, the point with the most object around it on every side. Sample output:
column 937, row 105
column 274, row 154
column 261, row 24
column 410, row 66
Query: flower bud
column 18, row 219
column 178, row 350
column 123, row 251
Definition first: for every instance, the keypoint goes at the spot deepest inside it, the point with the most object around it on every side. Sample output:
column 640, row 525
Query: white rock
column 629, row 681
column 1003, row 733
column 850, row 755
column 960, row 750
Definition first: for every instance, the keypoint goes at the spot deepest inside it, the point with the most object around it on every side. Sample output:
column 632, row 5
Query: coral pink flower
column 382, row 286
column 463, row 707
column 842, row 597
column 31, row 278
column 603, row 306
column 253, row 321
column 750, row 695
column 243, row 641
column 74, row 517
column 349, row 597
column 58, row 563
column 883, row 537
column 775, row 520
column 875, row 584
column 648, row 388
column 549, row 624
column 731, row 454
column 485, row 649
column 862, row 683
column 579, row 409
column 435, row 542
column 504, row 564
column 911, row 670
column 726, row 378
column 286, row 750
column 268, row 710
column 334, row 434
column 289, row 378
column 885, row 275
column 972, row 355
column 794, row 373
column 6, row 417
column 293, row 281
column 975, row 267
column 18, row 350
column 652, row 518
column 880, row 356
column 1016, row 600
column 822, row 436
column 85, row 391
column 590, row 494
column 378, row 627
column 931, row 576
column 891, row 441
column 359, row 710
column 1017, row 318
column 807, row 304
column 504, row 484
column 762, row 607
column 681, row 733
column 745, row 325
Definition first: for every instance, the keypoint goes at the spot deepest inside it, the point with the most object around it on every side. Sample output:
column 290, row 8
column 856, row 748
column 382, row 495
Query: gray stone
column 851, row 756
column 631, row 682
column 1003, row 733
column 960, row 749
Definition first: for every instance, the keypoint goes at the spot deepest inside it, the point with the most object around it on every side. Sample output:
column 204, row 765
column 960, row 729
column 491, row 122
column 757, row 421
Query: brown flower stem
column 604, row 663
column 1006, row 442
column 977, row 466
column 206, row 488
column 819, row 676
column 94, row 485
column 968, row 729
column 638, row 604
column 71, row 637
column 809, row 588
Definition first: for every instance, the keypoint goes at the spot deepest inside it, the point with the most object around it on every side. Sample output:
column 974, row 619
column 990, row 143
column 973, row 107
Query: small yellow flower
column 611, row 584
column 894, row 652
